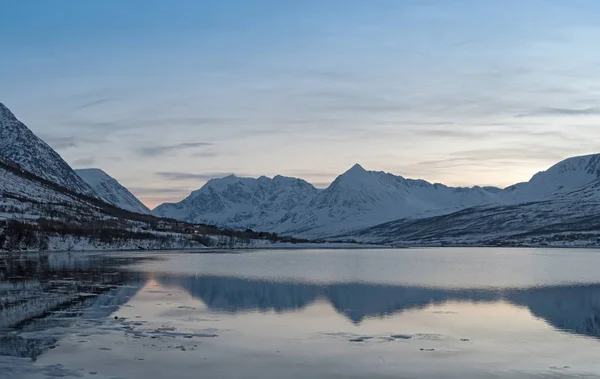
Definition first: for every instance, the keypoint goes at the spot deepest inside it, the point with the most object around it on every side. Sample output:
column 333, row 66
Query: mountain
column 242, row 202
column 379, row 207
column 110, row 190
column 565, row 176
column 46, row 205
column 560, row 206
column 19, row 145
column 360, row 198
column 356, row 199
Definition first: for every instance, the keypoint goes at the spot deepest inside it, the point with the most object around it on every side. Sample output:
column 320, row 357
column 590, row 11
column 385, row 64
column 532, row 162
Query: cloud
column 66, row 142
column 205, row 154
column 195, row 177
column 445, row 132
column 137, row 121
column 486, row 131
column 316, row 178
column 520, row 153
column 154, row 151
column 493, row 159
column 323, row 179
column 84, row 162
column 94, row 103
column 93, row 124
column 343, row 101
column 159, row 191
column 561, row 112
column 57, row 142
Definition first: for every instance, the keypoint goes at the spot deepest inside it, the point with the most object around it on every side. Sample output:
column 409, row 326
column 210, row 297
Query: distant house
column 189, row 230
column 163, row 226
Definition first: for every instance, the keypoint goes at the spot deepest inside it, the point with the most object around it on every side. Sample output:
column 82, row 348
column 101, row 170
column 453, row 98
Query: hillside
column 45, row 205
column 18, row 144
column 111, row 191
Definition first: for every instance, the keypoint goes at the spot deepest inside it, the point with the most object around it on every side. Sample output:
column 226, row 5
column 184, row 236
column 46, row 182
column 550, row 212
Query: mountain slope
column 381, row 207
column 360, row 198
column 241, row 202
column 111, row 190
column 532, row 224
column 357, row 198
column 565, row 176
column 561, row 216
column 19, row 145
column 559, row 206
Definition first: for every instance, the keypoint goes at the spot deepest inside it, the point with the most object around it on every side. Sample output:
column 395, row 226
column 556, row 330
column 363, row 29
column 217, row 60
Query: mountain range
column 21, row 146
column 560, row 204
column 46, row 205
column 380, row 207
column 356, row 199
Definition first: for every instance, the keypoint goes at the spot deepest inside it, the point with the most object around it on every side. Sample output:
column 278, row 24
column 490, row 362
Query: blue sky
column 164, row 94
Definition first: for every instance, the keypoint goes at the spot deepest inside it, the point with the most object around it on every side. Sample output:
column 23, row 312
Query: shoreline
column 237, row 249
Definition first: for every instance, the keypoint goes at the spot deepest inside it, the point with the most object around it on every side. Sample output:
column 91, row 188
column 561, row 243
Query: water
column 406, row 313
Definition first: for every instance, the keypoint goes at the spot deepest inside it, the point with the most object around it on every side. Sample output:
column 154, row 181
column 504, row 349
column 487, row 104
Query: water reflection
column 574, row 309
column 48, row 292
column 45, row 293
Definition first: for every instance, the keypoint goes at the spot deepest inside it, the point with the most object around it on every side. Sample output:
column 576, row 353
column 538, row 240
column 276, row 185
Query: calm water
column 408, row 313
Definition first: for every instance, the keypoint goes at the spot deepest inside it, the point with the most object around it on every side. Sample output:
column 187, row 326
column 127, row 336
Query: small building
column 163, row 226
column 189, row 230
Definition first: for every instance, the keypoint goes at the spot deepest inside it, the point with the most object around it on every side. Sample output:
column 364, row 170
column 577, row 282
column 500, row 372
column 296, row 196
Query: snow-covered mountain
column 242, row 202
column 19, row 145
column 356, row 199
column 360, row 198
column 110, row 190
column 378, row 204
column 560, row 206
column 564, row 177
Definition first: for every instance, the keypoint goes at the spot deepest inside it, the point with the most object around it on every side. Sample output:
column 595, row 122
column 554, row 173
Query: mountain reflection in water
column 51, row 291
column 574, row 309
column 43, row 292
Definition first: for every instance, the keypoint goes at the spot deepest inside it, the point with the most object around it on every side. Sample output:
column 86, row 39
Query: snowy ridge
column 356, row 199
column 557, row 206
column 110, row 190
column 360, row 203
column 19, row 145
column 61, row 219
column 359, row 198
column 563, row 177
column 242, row 202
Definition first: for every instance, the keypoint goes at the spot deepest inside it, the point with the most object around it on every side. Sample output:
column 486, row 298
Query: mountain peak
column 356, row 169
column 582, row 166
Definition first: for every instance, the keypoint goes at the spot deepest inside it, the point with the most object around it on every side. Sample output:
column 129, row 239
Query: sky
column 163, row 95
